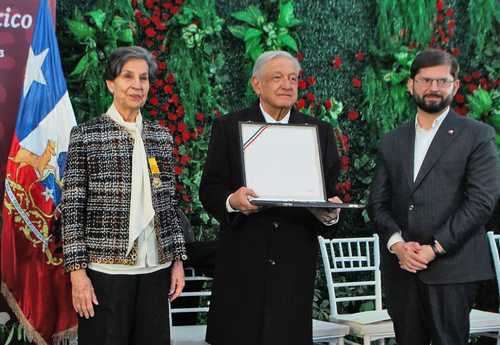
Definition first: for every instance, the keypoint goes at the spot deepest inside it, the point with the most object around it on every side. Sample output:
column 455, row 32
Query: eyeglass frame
column 440, row 82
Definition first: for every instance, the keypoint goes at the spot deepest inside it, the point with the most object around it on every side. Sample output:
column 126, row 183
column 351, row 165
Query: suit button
column 271, row 262
column 276, row 225
column 411, row 207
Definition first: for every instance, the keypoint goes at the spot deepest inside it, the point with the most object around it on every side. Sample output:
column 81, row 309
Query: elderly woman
column 123, row 243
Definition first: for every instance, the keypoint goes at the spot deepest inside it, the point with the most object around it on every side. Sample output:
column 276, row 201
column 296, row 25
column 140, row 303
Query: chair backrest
column 190, row 276
column 343, row 256
column 494, row 241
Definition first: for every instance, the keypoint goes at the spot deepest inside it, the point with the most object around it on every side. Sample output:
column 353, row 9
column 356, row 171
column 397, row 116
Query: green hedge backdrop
column 355, row 56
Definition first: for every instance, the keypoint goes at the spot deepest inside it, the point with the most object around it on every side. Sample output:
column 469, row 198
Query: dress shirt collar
column 270, row 119
column 437, row 122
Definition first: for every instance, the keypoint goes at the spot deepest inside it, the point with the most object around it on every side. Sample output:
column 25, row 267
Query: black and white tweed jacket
column 97, row 191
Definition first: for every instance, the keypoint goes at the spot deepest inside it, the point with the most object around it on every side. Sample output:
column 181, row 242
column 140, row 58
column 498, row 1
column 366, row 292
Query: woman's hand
column 83, row 294
column 176, row 280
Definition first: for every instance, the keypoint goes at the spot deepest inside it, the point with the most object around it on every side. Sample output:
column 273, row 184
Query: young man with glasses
column 436, row 183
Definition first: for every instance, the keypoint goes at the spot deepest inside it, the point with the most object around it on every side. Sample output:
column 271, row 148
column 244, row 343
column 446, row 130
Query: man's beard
column 434, row 106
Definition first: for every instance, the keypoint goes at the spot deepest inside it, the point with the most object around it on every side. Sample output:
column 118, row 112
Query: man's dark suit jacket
column 266, row 261
column 453, row 196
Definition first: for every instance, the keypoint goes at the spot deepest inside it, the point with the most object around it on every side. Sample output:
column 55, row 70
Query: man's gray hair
column 121, row 55
column 270, row 55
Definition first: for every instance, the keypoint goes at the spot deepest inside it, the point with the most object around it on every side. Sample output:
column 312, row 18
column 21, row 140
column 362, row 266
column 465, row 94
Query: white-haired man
column 266, row 258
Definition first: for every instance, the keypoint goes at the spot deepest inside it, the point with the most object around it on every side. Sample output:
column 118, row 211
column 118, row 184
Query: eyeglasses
column 441, row 83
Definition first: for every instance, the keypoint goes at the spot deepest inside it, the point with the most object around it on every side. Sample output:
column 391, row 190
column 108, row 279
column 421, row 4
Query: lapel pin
column 451, row 131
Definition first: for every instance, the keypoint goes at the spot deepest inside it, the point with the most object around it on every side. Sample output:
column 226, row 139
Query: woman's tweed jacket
column 97, row 189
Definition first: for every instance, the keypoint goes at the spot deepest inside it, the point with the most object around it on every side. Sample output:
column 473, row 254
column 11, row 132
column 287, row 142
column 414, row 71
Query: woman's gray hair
column 121, row 55
column 270, row 55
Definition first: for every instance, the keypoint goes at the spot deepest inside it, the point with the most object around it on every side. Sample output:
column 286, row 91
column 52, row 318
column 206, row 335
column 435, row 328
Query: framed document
column 282, row 164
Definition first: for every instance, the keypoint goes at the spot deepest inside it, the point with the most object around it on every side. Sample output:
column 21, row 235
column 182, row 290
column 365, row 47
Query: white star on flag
column 48, row 194
column 34, row 69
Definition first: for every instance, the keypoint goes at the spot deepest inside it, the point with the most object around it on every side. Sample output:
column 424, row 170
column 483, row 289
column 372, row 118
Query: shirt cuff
column 395, row 238
column 228, row 205
column 332, row 222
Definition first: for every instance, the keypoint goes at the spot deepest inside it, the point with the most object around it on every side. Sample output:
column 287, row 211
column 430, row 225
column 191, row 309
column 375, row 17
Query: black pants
column 422, row 313
column 132, row 310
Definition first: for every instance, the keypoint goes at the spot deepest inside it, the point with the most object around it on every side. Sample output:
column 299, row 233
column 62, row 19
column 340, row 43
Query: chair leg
column 366, row 340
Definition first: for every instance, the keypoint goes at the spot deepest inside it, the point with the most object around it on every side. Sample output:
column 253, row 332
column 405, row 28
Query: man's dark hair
column 434, row 57
column 120, row 56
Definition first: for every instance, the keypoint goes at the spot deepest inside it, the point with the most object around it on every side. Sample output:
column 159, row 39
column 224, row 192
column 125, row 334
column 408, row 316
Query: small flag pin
column 451, row 131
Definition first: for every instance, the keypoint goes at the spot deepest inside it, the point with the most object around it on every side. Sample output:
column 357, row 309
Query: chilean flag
column 33, row 279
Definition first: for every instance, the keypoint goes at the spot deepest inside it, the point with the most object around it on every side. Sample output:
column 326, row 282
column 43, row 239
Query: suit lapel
column 408, row 151
column 445, row 135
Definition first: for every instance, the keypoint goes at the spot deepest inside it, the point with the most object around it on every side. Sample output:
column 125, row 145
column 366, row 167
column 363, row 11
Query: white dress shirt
column 423, row 140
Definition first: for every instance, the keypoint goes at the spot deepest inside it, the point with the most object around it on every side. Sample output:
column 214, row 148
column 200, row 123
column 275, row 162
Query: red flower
column 174, row 99
column 178, row 170
column 200, row 116
column 300, row 56
column 439, row 18
column 463, row 110
column 149, row 3
column 445, row 40
column 433, row 39
column 153, row 101
column 476, row 75
column 328, row 104
column 180, row 111
column 301, row 103
column 344, row 163
column 168, row 89
column 185, row 159
column 153, row 113
column 347, row 198
column 449, row 12
column 161, row 123
column 459, row 98
column 471, row 88
column 302, row 85
column 344, row 141
column 172, row 117
column 161, row 66
column 356, row 82
column 439, row 5
column 451, row 24
column 186, row 198
column 467, row 78
column 144, row 22
column 347, row 185
column 148, row 43
column 310, row 96
column 199, row 130
column 186, row 136
column 455, row 51
column 170, row 78
column 181, row 127
column 178, row 140
column 174, row 10
column 337, row 62
column 311, row 80
column 484, row 83
column 360, row 56
column 172, row 128
column 150, row 32
column 353, row 115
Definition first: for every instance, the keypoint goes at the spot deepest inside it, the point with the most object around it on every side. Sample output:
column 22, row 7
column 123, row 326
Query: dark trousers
column 132, row 310
column 422, row 313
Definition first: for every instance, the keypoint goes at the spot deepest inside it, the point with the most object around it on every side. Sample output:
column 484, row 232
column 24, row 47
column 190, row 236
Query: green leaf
column 98, row 16
column 480, row 103
column 81, row 66
column 238, row 31
column 252, row 33
column 252, row 15
column 288, row 41
column 80, row 29
column 11, row 335
column 286, row 18
column 126, row 36
column 494, row 120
